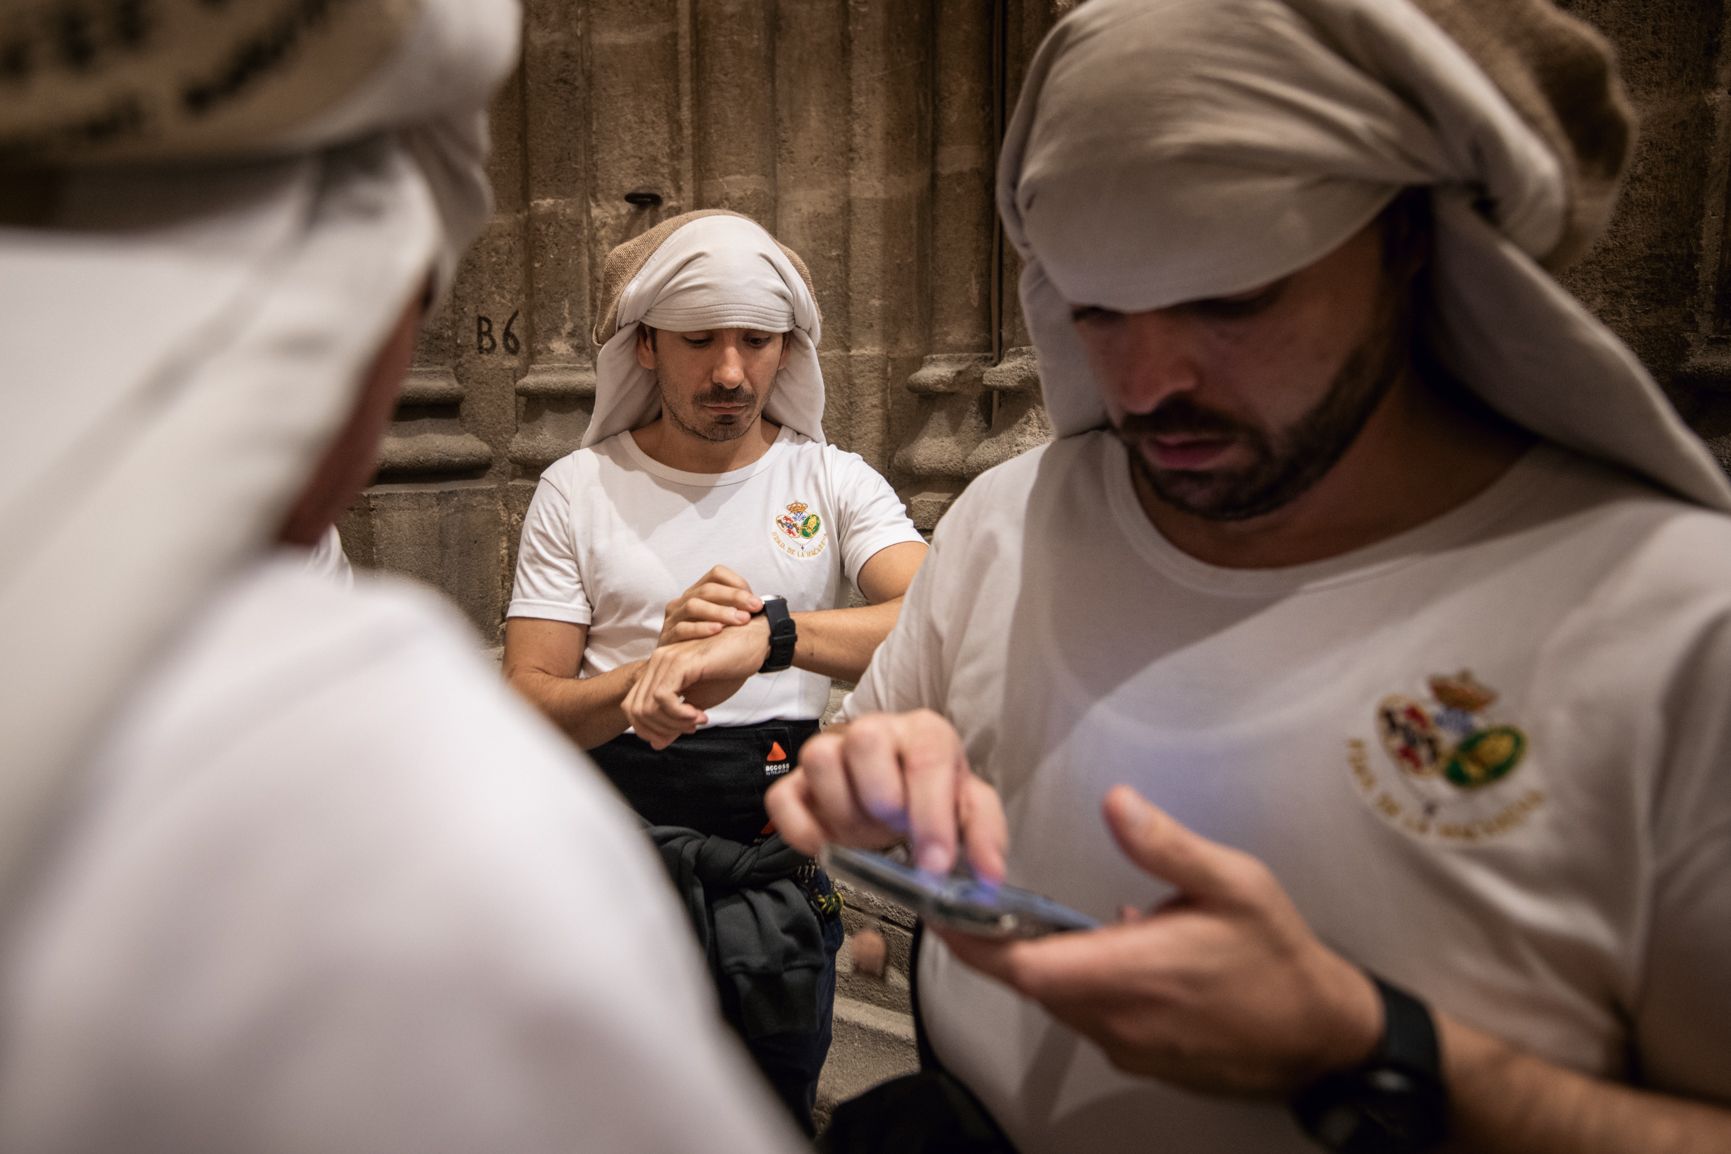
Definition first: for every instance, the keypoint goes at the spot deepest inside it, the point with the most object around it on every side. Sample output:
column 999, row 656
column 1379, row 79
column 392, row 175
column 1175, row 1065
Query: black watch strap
column 1395, row 1101
column 783, row 634
column 1408, row 1032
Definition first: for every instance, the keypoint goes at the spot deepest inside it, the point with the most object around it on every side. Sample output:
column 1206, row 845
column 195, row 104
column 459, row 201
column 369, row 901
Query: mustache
column 1179, row 416
column 724, row 396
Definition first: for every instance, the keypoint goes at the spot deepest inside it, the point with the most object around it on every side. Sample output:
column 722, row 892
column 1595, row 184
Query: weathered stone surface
column 871, row 1045
column 451, row 536
column 431, row 445
column 866, row 913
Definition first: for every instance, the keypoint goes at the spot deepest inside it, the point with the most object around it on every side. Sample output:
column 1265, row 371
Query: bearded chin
column 1286, row 464
column 717, row 432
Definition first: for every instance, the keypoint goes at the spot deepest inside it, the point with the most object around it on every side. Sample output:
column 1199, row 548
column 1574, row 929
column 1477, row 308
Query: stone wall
column 1660, row 277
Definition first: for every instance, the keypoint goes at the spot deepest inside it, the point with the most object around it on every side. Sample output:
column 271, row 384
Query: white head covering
column 184, row 329
column 1174, row 150
column 704, row 270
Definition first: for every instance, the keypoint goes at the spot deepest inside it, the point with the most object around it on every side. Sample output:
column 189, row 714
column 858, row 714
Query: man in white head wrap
column 1372, row 559
column 282, row 866
column 674, row 608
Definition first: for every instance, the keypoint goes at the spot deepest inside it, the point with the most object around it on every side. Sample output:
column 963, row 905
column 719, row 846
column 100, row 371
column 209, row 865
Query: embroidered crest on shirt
column 799, row 532
column 1450, row 762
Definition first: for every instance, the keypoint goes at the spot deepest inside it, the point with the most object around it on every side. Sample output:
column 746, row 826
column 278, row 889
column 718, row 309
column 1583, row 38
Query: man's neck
column 1422, row 453
column 667, row 444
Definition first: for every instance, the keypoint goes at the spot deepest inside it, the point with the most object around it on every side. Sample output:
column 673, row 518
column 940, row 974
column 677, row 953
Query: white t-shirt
column 1560, row 646
column 612, row 536
column 330, row 886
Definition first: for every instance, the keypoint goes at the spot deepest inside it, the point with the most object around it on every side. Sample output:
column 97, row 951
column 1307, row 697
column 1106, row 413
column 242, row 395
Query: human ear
column 646, row 346
column 786, row 347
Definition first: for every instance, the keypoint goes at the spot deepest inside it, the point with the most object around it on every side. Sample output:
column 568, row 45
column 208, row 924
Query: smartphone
column 958, row 901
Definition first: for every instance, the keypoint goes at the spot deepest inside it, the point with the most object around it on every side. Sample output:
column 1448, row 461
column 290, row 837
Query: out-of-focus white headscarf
column 1173, row 150
column 704, row 270
column 186, row 318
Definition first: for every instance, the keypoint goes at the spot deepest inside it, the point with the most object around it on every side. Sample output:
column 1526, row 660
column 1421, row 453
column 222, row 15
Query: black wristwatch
column 1395, row 1101
column 783, row 634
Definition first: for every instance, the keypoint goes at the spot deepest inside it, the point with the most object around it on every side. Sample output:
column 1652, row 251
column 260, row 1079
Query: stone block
column 871, row 1045
column 866, row 914
column 450, row 536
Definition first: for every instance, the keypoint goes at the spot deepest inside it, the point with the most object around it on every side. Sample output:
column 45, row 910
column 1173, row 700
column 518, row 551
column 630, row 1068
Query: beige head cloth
column 1173, row 150
column 185, row 320
column 86, row 83
column 702, row 270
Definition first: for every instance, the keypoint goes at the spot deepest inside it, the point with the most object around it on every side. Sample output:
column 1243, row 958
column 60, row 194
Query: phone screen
column 957, row 901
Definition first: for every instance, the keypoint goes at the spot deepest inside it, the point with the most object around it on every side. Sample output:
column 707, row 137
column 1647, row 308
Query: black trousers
column 714, row 781
column 792, row 1062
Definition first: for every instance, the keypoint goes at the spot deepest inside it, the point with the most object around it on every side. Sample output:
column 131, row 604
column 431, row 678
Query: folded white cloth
column 710, row 271
column 185, row 325
column 1174, row 150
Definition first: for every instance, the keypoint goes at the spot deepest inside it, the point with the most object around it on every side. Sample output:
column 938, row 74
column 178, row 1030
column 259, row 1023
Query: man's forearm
column 839, row 643
column 587, row 708
column 1507, row 1100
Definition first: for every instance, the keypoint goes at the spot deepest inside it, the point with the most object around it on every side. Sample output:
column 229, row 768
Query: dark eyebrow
column 1092, row 313
column 1244, row 304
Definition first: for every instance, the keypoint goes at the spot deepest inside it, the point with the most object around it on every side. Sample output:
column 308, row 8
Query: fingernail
column 1132, row 810
column 933, row 859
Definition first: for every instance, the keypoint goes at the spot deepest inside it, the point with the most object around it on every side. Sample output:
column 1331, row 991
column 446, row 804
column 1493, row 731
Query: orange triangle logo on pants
column 776, row 752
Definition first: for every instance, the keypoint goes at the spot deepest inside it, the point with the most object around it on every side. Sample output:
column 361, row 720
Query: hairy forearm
column 587, row 708
column 839, row 643
column 1507, row 1100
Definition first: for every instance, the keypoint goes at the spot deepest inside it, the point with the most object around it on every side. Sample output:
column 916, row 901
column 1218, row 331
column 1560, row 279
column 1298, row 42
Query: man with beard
column 1372, row 559
column 675, row 592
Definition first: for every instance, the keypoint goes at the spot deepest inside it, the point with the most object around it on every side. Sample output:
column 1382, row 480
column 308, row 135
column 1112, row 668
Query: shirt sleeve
column 871, row 516
column 1682, row 1014
column 908, row 670
column 549, row 584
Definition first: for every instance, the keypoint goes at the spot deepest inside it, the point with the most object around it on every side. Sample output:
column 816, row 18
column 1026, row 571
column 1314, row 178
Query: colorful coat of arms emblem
column 1450, row 737
column 799, row 531
column 1449, row 750
column 797, row 522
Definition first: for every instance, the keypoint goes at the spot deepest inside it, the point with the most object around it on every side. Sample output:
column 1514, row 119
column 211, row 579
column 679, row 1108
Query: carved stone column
column 733, row 133
column 813, row 107
column 977, row 391
column 888, row 191
column 953, row 413
column 554, row 391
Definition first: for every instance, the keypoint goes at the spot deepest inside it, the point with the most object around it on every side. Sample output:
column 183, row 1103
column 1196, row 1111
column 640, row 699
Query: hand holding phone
column 957, row 901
